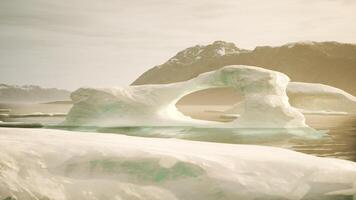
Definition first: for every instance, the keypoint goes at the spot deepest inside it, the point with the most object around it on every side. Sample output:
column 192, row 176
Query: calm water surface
column 340, row 141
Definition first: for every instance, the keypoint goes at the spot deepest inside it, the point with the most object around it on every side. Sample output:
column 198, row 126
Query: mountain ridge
column 329, row 62
column 31, row 93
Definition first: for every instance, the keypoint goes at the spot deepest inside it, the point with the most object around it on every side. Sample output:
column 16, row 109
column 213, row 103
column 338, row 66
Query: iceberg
column 311, row 98
column 319, row 98
column 35, row 114
column 61, row 165
column 264, row 91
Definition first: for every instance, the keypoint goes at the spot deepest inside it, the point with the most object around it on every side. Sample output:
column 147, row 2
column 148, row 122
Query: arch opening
column 211, row 104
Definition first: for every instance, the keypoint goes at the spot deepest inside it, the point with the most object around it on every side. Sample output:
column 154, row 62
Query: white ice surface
column 61, row 165
column 264, row 91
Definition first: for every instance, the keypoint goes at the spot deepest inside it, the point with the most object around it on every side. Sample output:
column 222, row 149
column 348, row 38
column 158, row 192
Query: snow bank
column 60, row 165
column 319, row 98
column 266, row 103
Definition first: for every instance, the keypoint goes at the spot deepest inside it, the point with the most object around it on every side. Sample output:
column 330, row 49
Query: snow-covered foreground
column 54, row 164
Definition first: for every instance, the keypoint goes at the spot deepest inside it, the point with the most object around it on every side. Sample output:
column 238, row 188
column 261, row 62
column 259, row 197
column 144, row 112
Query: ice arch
column 264, row 91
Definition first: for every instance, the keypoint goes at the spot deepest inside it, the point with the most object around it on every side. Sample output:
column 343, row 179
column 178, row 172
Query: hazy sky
column 73, row 43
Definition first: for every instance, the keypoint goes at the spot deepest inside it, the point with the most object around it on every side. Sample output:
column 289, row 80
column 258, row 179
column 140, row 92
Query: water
column 23, row 108
column 340, row 141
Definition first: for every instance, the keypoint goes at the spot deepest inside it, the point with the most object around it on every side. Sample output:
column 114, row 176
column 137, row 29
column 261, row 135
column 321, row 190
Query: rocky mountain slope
column 329, row 63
